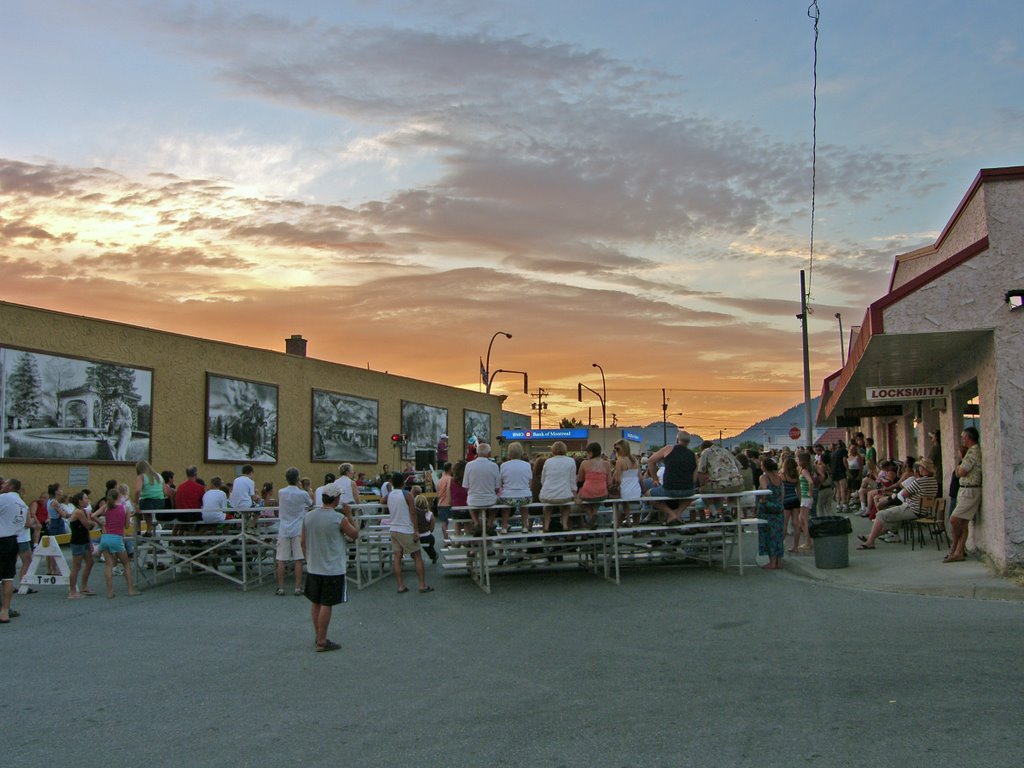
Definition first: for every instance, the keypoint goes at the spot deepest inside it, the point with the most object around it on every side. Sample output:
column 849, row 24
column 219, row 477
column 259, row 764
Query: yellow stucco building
column 82, row 399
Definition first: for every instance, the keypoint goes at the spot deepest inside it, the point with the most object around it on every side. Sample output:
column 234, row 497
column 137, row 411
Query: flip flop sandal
column 866, row 546
column 403, row 590
column 426, row 589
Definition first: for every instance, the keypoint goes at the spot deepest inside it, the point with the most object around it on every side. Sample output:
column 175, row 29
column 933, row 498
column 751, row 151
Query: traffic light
column 396, row 438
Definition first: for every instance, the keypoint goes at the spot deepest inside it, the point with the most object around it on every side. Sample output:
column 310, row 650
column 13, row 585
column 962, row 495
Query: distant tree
column 573, row 423
column 144, row 415
column 752, row 444
column 24, row 387
column 58, row 375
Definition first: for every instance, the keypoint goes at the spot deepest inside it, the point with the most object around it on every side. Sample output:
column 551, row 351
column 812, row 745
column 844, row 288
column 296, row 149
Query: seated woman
column 595, row 475
column 887, row 478
column 558, row 485
column 906, row 504
column 515, row 493
column 869, row 481
column 626, row 477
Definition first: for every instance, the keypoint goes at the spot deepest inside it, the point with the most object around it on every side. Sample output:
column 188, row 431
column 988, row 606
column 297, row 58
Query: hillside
column 775, row 430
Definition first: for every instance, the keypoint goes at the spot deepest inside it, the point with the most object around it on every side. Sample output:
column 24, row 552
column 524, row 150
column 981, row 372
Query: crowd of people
column 657, row 489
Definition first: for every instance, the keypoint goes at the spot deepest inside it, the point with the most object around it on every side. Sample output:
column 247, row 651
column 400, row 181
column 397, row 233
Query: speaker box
column 425, row 458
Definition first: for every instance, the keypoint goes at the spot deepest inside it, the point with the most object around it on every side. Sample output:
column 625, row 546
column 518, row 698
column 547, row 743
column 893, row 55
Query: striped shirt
column 917, row 487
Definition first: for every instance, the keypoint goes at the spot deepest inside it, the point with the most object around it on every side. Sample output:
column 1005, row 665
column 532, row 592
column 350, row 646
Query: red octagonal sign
column 794, row 433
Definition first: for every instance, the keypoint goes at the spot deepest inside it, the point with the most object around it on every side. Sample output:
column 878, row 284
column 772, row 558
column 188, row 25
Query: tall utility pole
column 664, row 418
column 809, row 435
column 540, row 406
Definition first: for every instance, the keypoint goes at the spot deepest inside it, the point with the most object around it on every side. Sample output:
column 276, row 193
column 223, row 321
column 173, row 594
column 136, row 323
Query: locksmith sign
column 915, row 392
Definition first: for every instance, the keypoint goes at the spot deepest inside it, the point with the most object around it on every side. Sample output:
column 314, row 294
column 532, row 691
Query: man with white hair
column 481, row 479
column 678, row 483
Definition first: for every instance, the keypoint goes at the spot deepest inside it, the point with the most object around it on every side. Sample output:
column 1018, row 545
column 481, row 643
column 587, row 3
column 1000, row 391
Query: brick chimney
column 296, row 345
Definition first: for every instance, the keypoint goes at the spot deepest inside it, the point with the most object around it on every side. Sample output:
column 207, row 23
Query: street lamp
column 487, row 368
column 842, row 342
column 604, row 401
column 580, row 386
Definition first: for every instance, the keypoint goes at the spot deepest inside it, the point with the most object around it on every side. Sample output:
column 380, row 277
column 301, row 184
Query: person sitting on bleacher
column 516, row 476
column 557, row 485
column 215, row 501
column 678, row 481
column 482, row 479
column 718, row 471
column 595, row 475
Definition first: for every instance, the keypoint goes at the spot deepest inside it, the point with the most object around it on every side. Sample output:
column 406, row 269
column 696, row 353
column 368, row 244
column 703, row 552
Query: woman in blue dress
column 771, row 537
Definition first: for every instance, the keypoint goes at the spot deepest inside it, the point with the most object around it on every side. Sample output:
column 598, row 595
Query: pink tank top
column 114, row 519
column 595, row 484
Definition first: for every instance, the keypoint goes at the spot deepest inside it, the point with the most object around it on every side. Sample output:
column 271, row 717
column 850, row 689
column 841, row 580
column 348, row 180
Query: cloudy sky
column 621, row 183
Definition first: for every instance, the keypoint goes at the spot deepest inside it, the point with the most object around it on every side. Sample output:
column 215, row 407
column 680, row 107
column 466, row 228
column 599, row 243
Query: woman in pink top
column 595, row 474
column 114, row 518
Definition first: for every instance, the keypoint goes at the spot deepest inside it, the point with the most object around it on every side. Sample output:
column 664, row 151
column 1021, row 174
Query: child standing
column 425, row 526
column 114, row 518
column 81, row 547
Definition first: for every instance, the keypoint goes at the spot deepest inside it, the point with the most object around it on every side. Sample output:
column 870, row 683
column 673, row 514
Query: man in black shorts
column 324, row 530
column 13, row 511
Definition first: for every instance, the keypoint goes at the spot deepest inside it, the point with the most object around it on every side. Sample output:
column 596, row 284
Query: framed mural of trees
column 61, row 408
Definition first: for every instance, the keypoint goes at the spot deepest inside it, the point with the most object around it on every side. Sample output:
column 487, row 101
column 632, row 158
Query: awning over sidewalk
column 888, row 359
column 918, row 348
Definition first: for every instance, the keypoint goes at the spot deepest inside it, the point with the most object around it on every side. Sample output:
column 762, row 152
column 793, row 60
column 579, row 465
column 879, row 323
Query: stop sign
column 794, row 433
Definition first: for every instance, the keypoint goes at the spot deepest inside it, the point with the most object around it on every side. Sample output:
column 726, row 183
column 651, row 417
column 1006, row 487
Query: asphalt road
column 672, row 668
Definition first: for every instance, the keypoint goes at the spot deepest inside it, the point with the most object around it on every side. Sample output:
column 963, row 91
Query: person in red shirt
column 189, row 496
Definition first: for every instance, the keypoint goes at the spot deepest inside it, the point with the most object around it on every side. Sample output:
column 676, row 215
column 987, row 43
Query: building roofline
column 874, row 321
column 233, row 345
column 1009, row 173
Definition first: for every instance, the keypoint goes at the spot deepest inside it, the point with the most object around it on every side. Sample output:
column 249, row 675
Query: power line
column 813, row 12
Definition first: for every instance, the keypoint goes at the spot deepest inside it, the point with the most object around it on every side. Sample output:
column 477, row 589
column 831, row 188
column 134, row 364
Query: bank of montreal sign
column 545, row 434
column 916, row 392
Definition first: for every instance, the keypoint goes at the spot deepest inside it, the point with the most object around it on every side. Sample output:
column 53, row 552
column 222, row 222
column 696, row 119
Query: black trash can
column 831, row 541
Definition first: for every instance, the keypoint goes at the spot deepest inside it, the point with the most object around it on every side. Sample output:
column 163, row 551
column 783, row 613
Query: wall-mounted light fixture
column 1015, row 299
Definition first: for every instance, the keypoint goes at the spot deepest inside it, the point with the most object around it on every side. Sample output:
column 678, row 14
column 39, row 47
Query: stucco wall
column 970, row 227
column 180, row 364
column 1005, row 207
column 972, row 297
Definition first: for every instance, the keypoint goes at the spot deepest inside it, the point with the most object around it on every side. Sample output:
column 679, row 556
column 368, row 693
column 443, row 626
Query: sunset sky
column 621, row 183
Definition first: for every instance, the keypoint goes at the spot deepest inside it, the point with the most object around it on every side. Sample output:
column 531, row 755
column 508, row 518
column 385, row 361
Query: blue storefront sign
column 632, row 437
column 545, row 434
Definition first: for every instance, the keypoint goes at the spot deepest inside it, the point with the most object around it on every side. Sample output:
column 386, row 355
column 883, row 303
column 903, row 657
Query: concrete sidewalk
column 895, row 568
